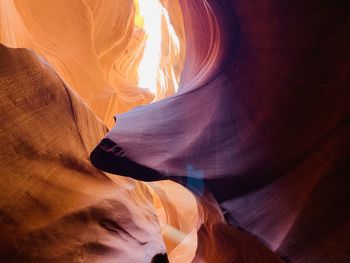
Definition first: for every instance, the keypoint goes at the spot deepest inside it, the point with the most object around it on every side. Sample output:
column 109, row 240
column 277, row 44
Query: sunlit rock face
column 95, row 48
column 81, row 40
column 256, row 128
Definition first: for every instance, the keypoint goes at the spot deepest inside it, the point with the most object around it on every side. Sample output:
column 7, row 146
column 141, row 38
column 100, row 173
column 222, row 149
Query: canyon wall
column 55, row 206
column 260, row 121
column 257, row 131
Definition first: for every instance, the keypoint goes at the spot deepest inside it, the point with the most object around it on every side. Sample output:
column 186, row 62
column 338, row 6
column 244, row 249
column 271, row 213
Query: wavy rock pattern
column 257, row 130
column 260, row 122
column 55, row 206
column 95, row 49
column 87, row 42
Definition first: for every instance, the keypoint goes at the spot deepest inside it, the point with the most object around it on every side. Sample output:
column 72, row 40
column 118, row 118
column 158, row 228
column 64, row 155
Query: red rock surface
column 258, row 130
column 261, row 120
column 55, row 206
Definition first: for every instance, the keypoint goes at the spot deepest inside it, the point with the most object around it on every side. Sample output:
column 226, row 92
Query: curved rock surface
column 54, row 205
column 258, row 131
column 86, row 42
column 261, row 121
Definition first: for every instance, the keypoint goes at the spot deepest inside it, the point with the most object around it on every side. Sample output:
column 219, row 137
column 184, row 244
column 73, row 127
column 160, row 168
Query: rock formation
column 55, row 206
column 246, row 162
column 260, row 121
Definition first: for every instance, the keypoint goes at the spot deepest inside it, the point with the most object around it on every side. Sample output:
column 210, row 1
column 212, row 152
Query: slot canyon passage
column 213, row 131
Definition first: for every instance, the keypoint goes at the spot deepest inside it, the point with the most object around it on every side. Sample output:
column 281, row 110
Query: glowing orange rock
column 260, row 115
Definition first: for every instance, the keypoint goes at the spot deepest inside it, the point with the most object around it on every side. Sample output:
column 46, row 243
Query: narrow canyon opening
column 159, row 71
column 160, row 66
